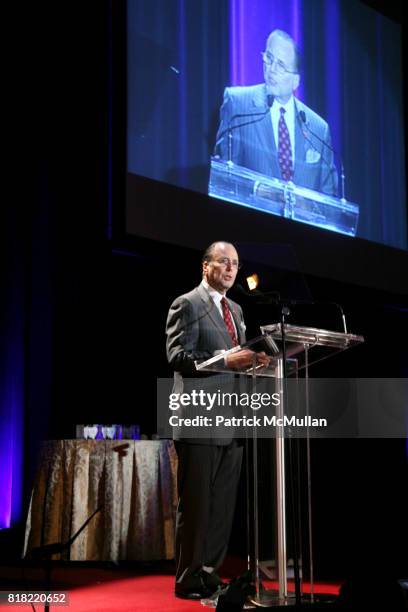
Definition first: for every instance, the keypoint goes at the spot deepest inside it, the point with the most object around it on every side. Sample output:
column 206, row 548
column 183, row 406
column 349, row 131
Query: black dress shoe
column 192, row 587
column 212, row 581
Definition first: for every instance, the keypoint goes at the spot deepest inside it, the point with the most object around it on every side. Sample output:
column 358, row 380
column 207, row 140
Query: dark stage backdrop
column 84, row 322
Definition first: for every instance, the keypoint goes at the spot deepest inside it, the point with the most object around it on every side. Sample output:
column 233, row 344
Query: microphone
column 274, row 297
column 322, row 303
column 260, row 116
column 269, row 101
column 343, row 316
column 302, row 116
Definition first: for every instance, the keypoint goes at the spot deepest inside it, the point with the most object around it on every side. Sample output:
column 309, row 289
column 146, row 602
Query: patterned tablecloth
column 134, row 481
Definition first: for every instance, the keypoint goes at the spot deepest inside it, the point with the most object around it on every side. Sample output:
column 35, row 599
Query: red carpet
column 128, row 594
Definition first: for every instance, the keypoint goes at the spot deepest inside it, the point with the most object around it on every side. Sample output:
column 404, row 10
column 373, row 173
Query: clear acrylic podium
column 279, row 518
column 239, row 185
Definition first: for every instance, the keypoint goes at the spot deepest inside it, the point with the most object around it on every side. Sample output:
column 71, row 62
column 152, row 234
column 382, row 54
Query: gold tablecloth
column 136, row 486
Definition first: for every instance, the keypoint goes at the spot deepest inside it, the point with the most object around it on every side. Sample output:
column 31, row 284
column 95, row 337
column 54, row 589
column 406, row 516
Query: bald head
column 281, row 66
column 220, row 265
column 287, row 40
column 209, row 251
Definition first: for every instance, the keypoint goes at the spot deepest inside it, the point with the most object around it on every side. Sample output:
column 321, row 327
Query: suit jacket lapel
column 214, row 314
column 300, row 147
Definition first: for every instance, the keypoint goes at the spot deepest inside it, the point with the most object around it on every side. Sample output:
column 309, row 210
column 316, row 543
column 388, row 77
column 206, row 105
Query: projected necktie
column 284, row 148
column 228, row 321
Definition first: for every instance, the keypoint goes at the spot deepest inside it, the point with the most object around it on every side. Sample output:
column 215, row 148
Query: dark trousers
column 207, row 486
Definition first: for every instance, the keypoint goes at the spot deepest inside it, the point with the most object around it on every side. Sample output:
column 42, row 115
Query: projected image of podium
column 239, row 185
column 278, row 472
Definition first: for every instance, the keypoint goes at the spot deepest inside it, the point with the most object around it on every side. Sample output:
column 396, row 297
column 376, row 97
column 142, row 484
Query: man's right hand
column 246, row 359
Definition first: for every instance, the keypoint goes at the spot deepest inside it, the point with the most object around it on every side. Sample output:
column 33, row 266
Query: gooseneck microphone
column 274, row 297
column 302, row 116
column 259, row 117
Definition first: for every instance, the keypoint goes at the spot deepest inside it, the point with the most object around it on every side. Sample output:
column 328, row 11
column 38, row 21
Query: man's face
column 222, row 270
column 282, row 54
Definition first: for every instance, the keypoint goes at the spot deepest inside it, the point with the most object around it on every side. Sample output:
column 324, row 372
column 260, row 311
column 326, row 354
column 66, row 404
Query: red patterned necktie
column 284, row 149
column 228, row 321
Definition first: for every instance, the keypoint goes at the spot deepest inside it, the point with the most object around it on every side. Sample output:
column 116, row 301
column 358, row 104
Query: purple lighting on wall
column 6, row 462
column 11, row 442
column 332, row 69
column 250, row 24
column 182, row 84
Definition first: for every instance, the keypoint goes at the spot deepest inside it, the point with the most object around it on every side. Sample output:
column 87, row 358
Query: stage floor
column 109, row 588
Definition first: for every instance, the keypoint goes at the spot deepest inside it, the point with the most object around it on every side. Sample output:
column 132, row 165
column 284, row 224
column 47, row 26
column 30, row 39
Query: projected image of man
column 291, row 142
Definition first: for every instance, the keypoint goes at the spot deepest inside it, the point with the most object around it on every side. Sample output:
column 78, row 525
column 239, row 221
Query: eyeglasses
column 226, row 261
column 270, row 59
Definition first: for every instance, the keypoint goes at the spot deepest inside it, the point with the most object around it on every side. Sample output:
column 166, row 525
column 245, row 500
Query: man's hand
column 247, row 359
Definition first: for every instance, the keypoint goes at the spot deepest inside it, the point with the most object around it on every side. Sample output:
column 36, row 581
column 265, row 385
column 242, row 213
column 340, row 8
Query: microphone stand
column 231, row 127
column 294, row 514
column 284, row 311
column 45, row 553
column 343, row 180
column 302, row 116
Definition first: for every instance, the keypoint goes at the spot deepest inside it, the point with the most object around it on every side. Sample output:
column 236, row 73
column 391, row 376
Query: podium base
column 271, row 601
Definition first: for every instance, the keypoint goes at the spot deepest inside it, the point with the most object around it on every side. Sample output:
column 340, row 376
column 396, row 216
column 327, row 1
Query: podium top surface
column 234, row 170
column 322, row 343
column 312, row 336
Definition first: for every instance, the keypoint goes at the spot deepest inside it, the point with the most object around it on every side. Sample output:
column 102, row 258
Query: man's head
column 220, row 265
column 281, row 65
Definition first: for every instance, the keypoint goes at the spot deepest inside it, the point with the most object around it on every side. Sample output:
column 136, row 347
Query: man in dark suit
column 291, row 142
column 200, row 324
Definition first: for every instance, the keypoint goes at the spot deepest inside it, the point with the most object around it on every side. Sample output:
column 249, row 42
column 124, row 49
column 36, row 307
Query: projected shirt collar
column 289, row 118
